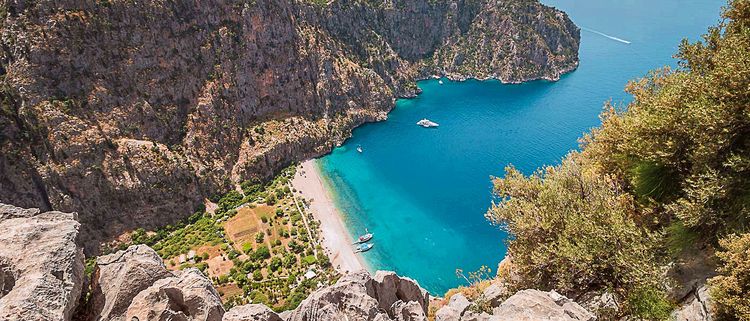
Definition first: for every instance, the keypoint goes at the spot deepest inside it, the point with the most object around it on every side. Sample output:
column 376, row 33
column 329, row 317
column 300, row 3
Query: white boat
column 363, row 247
column 440, row 81
column 359, row 148
column 426, row 123
column 364, row 238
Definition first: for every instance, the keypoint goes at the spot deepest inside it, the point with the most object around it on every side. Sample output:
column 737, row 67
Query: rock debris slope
column 132, row 112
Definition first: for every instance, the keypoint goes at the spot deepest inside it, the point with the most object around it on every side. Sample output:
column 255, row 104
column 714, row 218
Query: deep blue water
column 423, row 192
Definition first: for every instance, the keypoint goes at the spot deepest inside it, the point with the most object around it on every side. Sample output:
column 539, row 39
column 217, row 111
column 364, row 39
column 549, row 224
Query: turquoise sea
column 424, row 192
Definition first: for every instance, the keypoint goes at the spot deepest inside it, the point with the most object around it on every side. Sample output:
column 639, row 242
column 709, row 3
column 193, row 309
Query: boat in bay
column 363, row 247
column 364, row 238
column 426, row 123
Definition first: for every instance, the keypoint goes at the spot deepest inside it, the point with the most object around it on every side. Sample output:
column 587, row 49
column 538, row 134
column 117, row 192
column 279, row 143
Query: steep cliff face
column 133, row 112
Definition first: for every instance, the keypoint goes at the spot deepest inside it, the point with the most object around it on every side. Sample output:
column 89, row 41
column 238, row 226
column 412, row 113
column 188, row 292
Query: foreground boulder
column 41, row 266
column 251, row 312
column 524, row 305
column 697, row 307
column 186, row 296
column 539, row 305
column 134, row 284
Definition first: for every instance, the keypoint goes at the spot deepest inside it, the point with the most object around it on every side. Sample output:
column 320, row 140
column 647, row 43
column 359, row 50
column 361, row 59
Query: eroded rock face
column 41, row 265
column 524, row 305
column 132, row 112
column 539, row 305
column 188, row 296
column 120, row 277
column 698, row 306
column 251, row 312
column 358, row 296
column 134, row 283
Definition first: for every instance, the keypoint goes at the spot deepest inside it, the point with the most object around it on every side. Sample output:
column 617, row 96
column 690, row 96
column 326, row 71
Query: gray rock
column 10, row 211
column 251, row 312
column 408, row 311
column 448, row 313
column 456, row 307
column 352, row 297
column 41, row 266
column 538, row 305
column 459, row 302
column 390, row 288
column 601, row 303
column 189, row 296
column 357, row 296
column 474, row 316
column 135, row 283
column 120, row 277
column 494, row 294
column 697, row 307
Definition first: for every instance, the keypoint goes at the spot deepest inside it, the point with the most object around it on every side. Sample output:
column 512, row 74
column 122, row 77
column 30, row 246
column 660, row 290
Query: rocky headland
column 132, row 113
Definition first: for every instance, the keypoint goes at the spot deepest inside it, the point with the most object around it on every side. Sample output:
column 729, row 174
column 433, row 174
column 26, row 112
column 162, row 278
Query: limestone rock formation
column 358, row 296
column 251, row 312
column 132, row 112
column 524, row 305
column 187, row 296
column 539, row 305
column 120, row 277
column 134, row 283
column 41, row 265
column 697, row 307
column 408, row 311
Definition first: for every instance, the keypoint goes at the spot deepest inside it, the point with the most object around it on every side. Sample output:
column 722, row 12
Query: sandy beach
column 336, row 240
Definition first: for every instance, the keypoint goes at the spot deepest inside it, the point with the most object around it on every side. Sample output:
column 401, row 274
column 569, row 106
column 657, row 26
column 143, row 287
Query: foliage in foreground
column 669, row 171
column 576, row 230
column 731, row 288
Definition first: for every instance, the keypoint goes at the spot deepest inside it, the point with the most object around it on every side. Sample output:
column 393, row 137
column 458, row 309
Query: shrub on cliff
column 731, row 289
column 574, row 229
column 675, row 161
column 683, row 144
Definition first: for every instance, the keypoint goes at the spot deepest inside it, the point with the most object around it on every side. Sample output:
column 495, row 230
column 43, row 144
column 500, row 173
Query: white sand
column 336, row 240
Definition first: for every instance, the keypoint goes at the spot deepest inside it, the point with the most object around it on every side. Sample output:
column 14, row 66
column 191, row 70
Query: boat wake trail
column 606, row 35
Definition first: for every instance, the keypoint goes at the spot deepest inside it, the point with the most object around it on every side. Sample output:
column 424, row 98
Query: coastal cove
column 423, row 192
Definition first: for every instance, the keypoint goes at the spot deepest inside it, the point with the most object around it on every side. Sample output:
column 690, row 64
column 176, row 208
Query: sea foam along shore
column 336, row 240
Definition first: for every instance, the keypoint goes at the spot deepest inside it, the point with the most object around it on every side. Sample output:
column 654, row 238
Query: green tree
column 275, row 264
column 262, row 253
column 257, row 275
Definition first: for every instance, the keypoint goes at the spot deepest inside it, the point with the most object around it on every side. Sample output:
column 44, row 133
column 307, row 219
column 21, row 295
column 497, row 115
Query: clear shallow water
column 423, row 192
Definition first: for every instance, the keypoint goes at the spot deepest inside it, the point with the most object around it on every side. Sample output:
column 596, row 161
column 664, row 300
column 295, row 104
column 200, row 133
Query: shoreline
column 336, row 241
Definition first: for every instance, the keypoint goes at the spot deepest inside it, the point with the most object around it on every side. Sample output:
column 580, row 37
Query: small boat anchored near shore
column 359, row 149
column 363, row 247
column 426, row 123
column 364, row 238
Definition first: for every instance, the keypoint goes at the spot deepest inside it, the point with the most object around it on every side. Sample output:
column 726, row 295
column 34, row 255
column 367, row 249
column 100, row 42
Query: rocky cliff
column 41, row 264
column 132, row 112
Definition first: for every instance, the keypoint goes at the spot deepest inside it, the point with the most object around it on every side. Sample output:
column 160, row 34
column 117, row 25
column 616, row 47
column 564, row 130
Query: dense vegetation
column 662, row 179
column 255, row 246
